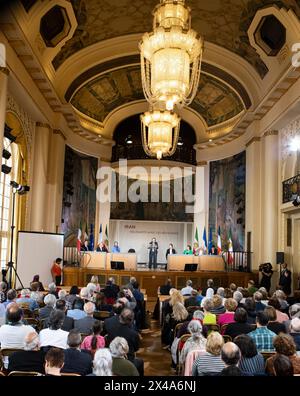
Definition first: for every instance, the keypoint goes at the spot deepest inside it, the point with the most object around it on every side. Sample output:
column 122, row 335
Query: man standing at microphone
column 153, row 248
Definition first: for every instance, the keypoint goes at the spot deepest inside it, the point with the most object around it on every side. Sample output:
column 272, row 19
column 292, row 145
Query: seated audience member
column 179, row 315
column 121, row 366
column 35, row 294
column 86, row 324
column 228, row 293
column 284, row 345
column 164, row 290
column 210, row 362
column 92, row 291
column 111, row 291
column 123, row 328
column 68, row 322
column 196, row 315
column 273, row 324
column 11, row 297
column 77, row 312
column 3, row 291
column 187, row 290
column 36, row 279
column 283, row 367
column 193, row 300
column 137, row 294
column 295, row 332
column 281, row 296
column 259, row 306
column 228, row 316
column 54, row 362
column 231, row 356
column 249, row 306
column 49, row 301
column 209, row 318
column 25, row 299
column 294, row 312
column 52, row 289
column 130, row 284
column 218, row 307
column 238, row 297
column 220, row 292
column 85, row 294
column 54, row 335
column 62, row 294
column 95, row 281
column 240, row 325
column 280, row 316
column 109, row 323
column 264, row 293
column 209, row 291
column 101, row 303
column 2, row 314
column 262, row 336
column 73, row 294
column 128, row 298
column 102, row 363
column 76, row 361
column 251, row 287
column 95, row 341
column 31, row 358
column 251, row 361
column 196, row 342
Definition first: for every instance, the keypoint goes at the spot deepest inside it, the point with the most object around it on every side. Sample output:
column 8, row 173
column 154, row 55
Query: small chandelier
column 171, row 56
column 160, row 131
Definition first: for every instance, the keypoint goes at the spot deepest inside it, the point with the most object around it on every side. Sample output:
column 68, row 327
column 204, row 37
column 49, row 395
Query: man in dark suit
column 123, row 327
column 111, row 290
column 285, row 280
column 49, row 301
column 68, row 322
column 153, row 248
column 76, row 361
column 29, row 359
column 85, row 325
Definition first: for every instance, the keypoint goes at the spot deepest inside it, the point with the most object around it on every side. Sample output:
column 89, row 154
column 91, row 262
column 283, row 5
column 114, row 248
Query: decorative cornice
column 253, row 140
column 271, row 133
column 42, row 125
column 59, row 132
column 105, row 160
column 4, row 70
column 202, row 163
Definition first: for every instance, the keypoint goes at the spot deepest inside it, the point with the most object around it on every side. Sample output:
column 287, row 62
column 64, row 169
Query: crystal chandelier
column 160, row 131
column 171, row 56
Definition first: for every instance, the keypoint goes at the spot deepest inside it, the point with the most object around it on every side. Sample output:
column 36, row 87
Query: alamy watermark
column 145, row 185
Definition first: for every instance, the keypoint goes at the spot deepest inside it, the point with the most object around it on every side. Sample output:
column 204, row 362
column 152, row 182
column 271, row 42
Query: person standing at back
column 56, row 271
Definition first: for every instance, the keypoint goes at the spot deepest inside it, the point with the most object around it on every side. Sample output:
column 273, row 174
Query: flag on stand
column 196, row 235
column 106, row 234
column 86, row 235
column 204, row 238
column 210, row 241
column 79, row 238
column 230, row 248
column 219, row 241
column 100, row 234
column 91, row 244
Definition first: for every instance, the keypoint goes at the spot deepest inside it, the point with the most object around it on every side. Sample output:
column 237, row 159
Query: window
column 5, row 200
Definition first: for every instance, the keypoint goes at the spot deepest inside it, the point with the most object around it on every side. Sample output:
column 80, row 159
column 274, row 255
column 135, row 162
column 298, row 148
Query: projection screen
column 36, row 253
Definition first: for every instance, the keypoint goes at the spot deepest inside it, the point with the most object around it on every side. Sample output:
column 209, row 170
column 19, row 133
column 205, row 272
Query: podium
column 177, row 262
column 102, row 261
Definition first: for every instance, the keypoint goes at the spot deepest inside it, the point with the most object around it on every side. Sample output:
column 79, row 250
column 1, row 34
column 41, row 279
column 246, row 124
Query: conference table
column 104, row 261
column 177, row 262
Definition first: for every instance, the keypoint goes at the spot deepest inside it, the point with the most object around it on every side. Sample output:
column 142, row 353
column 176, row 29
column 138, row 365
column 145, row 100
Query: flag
column 219, row 241
column 210, row 241
column 79, row 238
column 86, row 235
column 230, row 248
column 100, row 234
column 204, row 238
column 106, row 234
column 196, row 235
column 91, row 244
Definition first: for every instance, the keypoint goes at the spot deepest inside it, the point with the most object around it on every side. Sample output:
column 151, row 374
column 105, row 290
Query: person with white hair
column 85, row 294
column 29, row 359
column 196, row 342
column 102, row 364
column 220, row 292
column 91, row 289
column 187, row 290
column 295, row 331
column 281, row 296
column 52, row 289
column 121, row 366
column 50, row 301
column 95, row 281
column 238, row 296
column 62, row 294
column 85, row 325
column 25, row 299
column 294, row 312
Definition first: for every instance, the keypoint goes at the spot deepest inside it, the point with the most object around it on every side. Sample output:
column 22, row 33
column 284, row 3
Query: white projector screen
column 36, row 253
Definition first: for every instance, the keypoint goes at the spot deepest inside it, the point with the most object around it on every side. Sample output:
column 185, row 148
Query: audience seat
column 183, row 338
column 27, row 313
column 177, row 328
column 70, row 375
column 101, row 315
column 212, row 327
column 33, row 322
column 267, row 354
column 24, row 374
column 9, row 351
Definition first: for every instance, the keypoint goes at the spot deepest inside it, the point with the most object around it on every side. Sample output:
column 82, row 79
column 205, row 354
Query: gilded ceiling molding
column 253, row 140
column 59, row 132
column 202, row 163
column 106, row 160
column 4, row 70
column 271, row 133
column 42, row 125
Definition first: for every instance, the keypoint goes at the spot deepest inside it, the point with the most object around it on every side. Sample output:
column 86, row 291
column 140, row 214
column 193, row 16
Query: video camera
column 265, row 267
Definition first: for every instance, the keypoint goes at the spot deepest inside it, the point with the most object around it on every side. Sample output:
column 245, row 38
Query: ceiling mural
column 215, row 101
column 104, row 19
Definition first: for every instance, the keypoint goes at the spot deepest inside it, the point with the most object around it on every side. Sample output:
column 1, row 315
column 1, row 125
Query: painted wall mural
column 227, row 195
column 79, row 198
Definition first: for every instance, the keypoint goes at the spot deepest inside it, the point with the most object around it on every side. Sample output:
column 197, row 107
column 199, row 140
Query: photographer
column 267, row 272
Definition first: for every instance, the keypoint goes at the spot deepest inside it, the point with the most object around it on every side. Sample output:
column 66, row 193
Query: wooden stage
column 152, row 279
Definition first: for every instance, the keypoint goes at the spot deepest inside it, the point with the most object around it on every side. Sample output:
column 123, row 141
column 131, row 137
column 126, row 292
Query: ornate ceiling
column 222, row 22
column 215, row 101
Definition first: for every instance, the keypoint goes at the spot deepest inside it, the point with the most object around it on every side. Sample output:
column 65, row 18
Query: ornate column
column 202, row 200
column 270, row 197
column 39, row 182
column 55, row 180
column 105, row 188
column 4, row 72
column 253, row 199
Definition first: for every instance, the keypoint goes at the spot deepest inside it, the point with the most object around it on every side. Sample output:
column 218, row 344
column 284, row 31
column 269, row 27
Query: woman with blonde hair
column 179, row 315
column 95, row 281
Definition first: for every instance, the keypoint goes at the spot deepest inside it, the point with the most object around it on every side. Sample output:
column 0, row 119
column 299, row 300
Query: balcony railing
column 290, row 189
column 136, row 151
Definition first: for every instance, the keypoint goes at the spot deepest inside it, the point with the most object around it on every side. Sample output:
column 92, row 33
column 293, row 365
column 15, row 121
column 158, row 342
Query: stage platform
column 152, row 279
